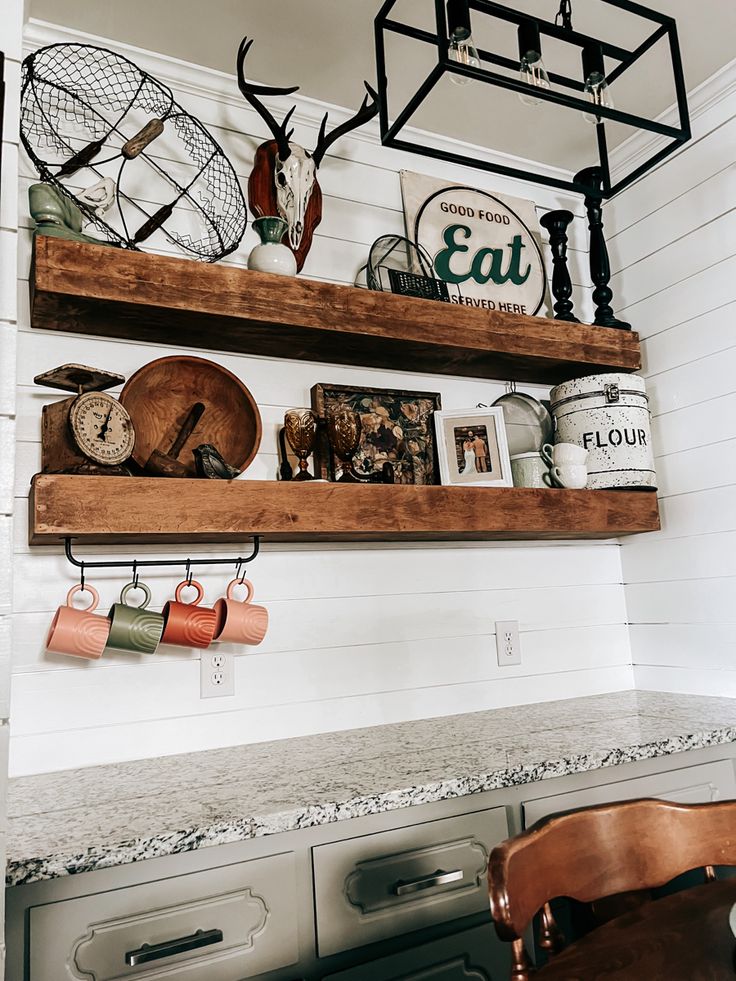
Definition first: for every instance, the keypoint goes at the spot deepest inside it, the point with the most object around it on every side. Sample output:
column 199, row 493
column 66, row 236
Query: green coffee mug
column 134, row 629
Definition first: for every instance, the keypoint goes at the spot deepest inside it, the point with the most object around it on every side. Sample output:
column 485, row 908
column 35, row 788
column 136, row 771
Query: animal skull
column 293, row 168
column 294, row 182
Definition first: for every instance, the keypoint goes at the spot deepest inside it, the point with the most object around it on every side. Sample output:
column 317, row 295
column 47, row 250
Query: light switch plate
column 216, row 673
column 508, row 645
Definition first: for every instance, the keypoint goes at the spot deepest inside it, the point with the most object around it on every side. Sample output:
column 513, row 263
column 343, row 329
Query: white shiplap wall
column 674, row 251
column 359, row 636
column 11, row 23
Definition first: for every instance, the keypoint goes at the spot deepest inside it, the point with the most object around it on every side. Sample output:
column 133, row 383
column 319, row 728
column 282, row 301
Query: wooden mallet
column 163, row 464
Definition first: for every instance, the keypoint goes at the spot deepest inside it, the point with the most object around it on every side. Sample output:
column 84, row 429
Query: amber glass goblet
column 344, row 430
column 301, row 432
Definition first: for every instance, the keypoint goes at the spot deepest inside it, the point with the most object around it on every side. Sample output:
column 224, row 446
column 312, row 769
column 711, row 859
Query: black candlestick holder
column 600, row 267
column 556, row 223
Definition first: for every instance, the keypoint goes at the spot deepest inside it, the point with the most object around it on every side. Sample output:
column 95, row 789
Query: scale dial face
column 101, row 427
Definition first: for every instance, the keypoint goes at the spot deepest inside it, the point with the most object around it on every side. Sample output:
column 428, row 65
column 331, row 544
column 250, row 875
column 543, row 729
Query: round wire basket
column 88, row 115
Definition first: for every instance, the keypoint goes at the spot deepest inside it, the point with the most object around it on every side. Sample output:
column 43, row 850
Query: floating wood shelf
column 116, row 293
column 90, row 289
column 144, row 510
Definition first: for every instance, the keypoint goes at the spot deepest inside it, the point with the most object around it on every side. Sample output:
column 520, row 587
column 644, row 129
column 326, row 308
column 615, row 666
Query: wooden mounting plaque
column 88, row 289
column 148, row 510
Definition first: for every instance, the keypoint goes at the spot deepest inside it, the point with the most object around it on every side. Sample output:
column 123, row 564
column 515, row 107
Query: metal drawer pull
column 439, row 878
column 154, row 952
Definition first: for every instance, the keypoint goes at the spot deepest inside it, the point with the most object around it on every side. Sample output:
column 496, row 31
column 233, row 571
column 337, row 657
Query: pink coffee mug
column 80, row 633
column 240, row 622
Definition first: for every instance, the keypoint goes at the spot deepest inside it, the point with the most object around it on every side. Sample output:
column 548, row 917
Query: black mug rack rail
column 136, row 564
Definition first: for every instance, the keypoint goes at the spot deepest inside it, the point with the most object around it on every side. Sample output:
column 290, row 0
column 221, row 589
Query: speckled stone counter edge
column 258, row 825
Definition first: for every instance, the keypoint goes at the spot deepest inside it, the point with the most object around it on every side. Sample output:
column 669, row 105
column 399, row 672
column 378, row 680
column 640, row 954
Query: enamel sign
column 481, row 244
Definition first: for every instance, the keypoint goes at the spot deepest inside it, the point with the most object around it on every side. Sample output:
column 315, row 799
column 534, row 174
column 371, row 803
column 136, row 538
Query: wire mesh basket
column 398, row 265
column 89, row 114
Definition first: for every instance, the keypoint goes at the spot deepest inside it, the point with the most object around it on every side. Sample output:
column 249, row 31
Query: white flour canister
column 608, row 415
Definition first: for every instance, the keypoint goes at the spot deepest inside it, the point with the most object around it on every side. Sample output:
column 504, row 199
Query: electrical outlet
column 216, row 674
column 508, row 646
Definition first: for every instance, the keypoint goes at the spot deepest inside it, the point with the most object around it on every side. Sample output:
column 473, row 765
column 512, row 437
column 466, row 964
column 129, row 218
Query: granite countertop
column 98, row 817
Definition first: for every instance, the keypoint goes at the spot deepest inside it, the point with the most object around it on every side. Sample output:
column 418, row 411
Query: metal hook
column 189, row 572
column 510, row 387
column 238, row 568
column 81, row 577
column 135, row 573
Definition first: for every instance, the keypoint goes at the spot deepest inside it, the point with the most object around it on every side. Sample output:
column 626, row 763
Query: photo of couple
column 471, row 447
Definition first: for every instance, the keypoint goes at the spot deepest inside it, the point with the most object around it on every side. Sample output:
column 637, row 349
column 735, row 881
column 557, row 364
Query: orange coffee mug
column 80, row 633
column 188, row 624
column 240, row 622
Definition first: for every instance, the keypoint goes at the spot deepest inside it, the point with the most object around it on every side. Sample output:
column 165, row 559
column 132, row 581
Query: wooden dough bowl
column 160, row 394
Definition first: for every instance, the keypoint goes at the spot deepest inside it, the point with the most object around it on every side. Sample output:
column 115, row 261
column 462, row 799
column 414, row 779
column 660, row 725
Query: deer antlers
column 367, row 111
column 251, row 92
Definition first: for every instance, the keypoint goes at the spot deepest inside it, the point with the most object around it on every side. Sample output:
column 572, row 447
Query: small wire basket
column 398, row 265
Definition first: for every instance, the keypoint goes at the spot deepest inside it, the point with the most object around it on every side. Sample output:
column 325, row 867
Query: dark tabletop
column 684, row 936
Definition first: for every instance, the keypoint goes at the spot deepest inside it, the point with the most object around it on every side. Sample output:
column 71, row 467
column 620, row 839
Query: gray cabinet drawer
column 252, row 904
column 689, row 785
column 472, row 955
column 386, row 884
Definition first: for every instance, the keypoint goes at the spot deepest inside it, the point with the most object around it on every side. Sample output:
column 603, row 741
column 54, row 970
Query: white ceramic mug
column 562, row 454
column 566, row 462
column 569, row 475
column 528, row 470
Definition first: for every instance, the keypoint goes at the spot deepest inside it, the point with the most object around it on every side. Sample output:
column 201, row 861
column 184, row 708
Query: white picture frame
column 475, row 439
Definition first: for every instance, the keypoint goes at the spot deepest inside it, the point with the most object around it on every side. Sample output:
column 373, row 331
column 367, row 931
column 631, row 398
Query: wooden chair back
column 602, row 851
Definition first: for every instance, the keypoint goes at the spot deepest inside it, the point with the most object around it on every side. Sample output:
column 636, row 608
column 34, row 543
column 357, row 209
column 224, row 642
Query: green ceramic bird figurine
column 210, row 464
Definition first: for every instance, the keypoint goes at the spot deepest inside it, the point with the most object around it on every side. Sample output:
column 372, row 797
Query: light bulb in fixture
column 462, row 48
column 464, row 53
column 531, row 67
column 597, row 89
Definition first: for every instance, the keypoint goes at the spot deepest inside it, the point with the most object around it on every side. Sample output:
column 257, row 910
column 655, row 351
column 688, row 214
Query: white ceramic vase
column 271, row 255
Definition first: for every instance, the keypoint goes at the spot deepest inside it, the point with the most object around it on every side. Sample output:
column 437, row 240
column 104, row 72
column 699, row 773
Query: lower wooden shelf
column 145, row 510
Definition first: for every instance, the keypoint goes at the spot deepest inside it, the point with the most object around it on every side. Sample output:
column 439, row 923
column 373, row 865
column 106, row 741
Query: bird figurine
column 210, row 464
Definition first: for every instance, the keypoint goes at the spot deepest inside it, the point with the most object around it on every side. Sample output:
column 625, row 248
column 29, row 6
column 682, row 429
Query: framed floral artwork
column 396, row 428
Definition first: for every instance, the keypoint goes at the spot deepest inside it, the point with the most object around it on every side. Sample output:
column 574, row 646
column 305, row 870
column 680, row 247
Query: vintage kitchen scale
column 90, row 433
column 176, row 417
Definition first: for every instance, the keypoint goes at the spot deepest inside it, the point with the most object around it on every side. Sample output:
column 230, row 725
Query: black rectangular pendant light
column 453, row 22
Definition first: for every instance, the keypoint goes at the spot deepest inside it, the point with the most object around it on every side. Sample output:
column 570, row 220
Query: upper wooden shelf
column 147, row 510
column 90, row 289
